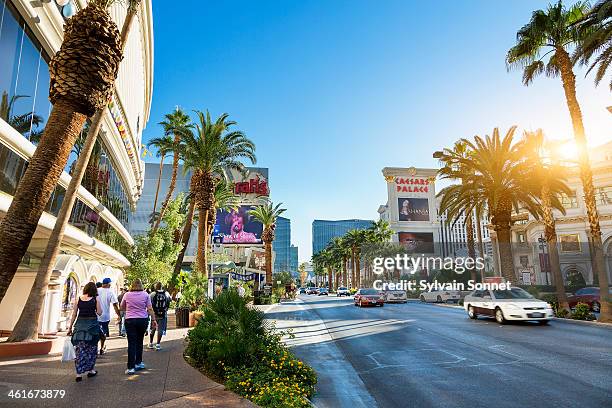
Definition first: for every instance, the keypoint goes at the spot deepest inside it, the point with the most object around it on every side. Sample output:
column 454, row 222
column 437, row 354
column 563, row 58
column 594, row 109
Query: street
column 424, row 355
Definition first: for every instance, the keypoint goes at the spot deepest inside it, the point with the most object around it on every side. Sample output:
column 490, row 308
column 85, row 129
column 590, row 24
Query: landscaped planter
column 27, row 348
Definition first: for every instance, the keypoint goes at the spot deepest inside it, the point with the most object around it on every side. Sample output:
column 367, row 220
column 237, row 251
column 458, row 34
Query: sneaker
column 150, row 346
column 140, row 366
column 79, row 379
column 92, row 374
column 157, row 347
column 130, row 371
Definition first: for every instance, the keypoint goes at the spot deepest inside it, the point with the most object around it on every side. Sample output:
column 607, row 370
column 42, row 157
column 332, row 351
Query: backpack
column 160, row 303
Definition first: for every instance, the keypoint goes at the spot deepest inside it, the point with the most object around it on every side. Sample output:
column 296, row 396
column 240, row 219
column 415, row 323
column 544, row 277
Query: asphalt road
column 423, row 355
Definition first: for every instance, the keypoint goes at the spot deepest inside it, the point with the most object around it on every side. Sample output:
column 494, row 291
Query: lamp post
column 544, row 260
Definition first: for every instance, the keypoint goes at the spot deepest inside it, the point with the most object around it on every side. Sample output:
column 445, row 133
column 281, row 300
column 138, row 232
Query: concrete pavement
column 428, row 356
column 168, row 380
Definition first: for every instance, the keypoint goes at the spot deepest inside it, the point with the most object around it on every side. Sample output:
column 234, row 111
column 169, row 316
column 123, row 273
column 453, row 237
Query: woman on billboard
column 237, row 235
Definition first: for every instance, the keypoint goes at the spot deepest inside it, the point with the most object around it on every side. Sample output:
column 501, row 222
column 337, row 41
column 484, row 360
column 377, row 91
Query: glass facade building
column 281, row 245
column 323, row 231
column 293, row 259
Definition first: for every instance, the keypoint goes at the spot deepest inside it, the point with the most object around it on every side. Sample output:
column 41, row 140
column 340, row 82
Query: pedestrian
column 121, row 312
column 137, row 306
column 241, row 290
column 160, row 299
column 107, row 298
column 86, row 331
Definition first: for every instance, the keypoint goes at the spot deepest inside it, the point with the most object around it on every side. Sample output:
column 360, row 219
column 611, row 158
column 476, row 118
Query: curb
column 583, row 322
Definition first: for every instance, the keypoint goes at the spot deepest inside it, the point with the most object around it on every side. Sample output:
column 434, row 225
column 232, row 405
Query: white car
column 441, row 296
column 392, row 296
column 343, row 291
column 511, row 304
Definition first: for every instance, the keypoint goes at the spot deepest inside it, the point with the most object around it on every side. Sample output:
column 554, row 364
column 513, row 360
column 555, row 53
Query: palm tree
column 209, row 152
column 555, row 31
column 597, row 43
column 380, row 232
column 82, row 75
column 267, row 214
column 552, row 177
column 460, row 149
column 164, row 145
column 493, row 173
column 177, row 124
column 23, row 123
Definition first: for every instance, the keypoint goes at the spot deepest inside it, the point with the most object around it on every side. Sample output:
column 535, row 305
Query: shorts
column 162, row 324
column 104, row 328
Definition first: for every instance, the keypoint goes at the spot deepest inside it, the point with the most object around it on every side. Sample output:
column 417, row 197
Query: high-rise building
column 281, row 245
column 293, row 259
column 323, row 231
column 97, row 236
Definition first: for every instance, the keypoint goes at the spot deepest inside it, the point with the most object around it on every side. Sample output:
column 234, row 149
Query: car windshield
column 369, row 292
column 342, row 288
column 514, row 293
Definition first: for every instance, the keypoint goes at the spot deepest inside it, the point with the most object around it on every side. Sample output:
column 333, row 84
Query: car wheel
column 596, row 307
column 543, row 322
column 472, row 312
column 422, row 298
column 439, row 299
column 499, row 316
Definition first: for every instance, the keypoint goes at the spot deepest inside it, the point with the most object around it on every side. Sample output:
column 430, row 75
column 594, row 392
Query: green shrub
column 582, row 312
column 562, row 313
column 552, row 300
column 233, row 343
column 460, row 302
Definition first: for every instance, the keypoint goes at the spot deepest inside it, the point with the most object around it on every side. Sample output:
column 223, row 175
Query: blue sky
column 332, row 91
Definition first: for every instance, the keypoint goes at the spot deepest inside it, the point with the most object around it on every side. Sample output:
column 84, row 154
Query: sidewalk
column 168, row 380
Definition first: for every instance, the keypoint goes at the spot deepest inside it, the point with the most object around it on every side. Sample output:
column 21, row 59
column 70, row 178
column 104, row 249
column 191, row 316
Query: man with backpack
column 160, row 300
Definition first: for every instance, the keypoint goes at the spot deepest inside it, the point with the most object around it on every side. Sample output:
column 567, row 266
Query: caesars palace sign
column 412, row 184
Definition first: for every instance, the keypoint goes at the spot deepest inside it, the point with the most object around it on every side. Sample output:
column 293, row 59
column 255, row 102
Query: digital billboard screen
column 413, row 209
column 417, row 241
column 237, row 226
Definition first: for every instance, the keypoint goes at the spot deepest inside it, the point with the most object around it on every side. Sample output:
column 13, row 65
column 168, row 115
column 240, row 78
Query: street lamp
column 544, row 259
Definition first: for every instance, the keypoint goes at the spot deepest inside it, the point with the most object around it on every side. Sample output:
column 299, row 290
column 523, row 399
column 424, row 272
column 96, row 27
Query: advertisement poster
column 417, row 241
column 256, row 260
column 413, row 209
column 238, row 227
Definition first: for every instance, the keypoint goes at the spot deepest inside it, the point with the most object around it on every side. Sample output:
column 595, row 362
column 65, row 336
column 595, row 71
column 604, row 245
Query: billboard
column 417, row 241
column 237, row 226
column 257, row 260
column 413, row 209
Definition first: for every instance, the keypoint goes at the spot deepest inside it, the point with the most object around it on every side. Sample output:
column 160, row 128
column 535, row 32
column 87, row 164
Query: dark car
column 588, row 295
column 311, row 291
column 322, row 292
column 369, row 297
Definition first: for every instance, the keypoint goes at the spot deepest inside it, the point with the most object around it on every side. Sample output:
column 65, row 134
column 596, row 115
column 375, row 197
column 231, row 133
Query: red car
column 589, row 295
column 369, row 297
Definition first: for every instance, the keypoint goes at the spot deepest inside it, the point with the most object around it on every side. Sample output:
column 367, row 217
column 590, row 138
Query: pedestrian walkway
column 168, row 380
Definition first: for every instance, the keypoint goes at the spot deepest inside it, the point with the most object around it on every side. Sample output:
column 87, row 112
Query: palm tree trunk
column 161, row 168
column 171, row 187
column 480, row 245
column 268, row 254
column 501, row 220
column 353, row 278
column 344, row 272
column 471, row 245
column 330, row 281
column 35, row 188
column 358, row 268
column 203, row 240
column 26, row 327
column 185, row 236
column 586, row 176
column 553, row 253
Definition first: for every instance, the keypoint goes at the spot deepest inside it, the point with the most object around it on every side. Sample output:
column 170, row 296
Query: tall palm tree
column 493, row 173
column 177, row 124
column 550, row 34
column 267, row 215
column 551, row 176
column 209, row 152
column 82, row 75
column 460, row 149
column 595, row 50
column 164, row 146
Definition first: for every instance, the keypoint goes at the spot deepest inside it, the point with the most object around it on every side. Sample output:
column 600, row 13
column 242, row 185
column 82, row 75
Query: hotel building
column 97, row 237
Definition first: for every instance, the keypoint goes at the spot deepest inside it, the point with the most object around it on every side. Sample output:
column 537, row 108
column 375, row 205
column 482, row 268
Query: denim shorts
column 104, row 328
column 162, row 323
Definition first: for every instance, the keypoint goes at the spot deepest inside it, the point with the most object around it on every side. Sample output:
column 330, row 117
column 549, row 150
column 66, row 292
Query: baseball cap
column 106, row 281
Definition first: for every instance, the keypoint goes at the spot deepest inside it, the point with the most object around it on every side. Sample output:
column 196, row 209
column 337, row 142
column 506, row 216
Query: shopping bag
column 68, row 352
